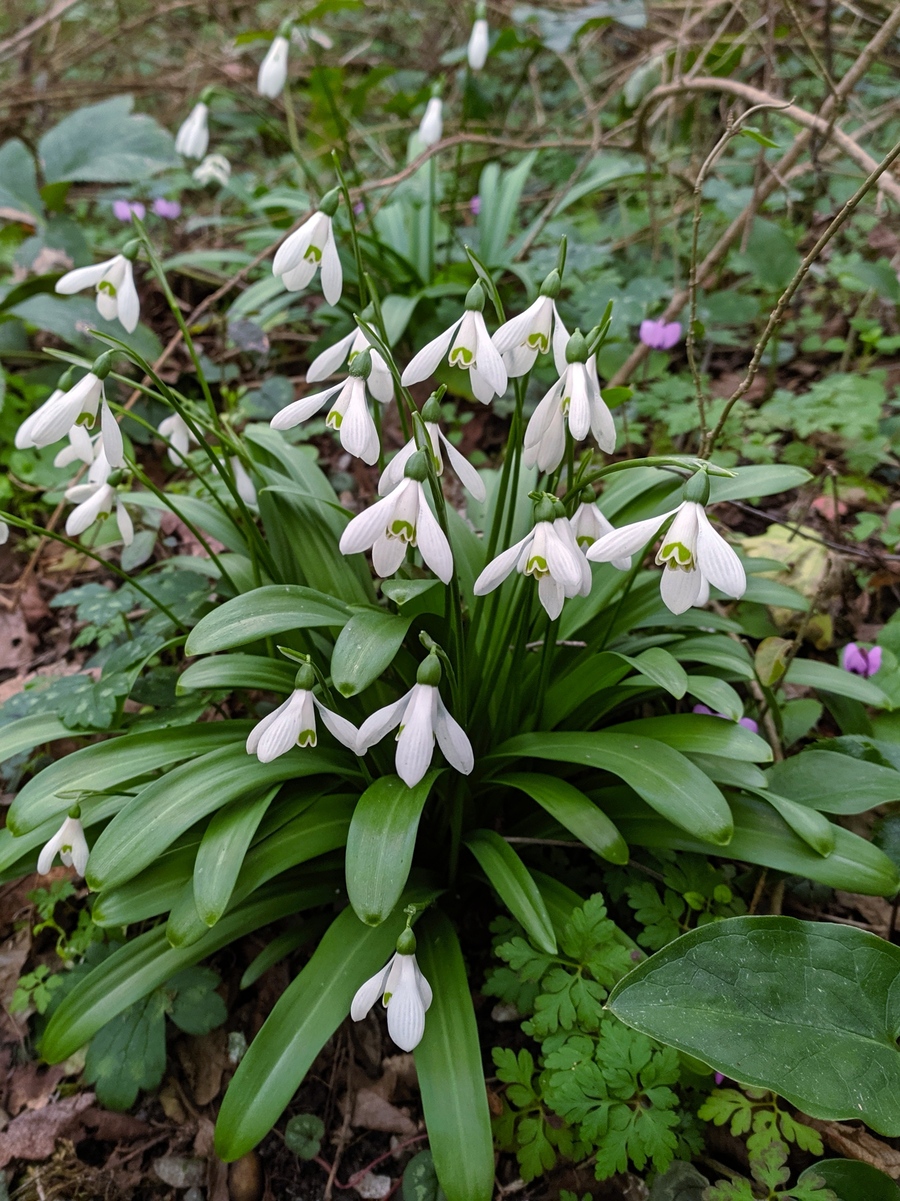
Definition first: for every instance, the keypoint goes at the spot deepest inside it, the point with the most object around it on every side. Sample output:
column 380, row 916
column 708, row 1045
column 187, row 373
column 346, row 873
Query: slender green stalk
column 294, row 139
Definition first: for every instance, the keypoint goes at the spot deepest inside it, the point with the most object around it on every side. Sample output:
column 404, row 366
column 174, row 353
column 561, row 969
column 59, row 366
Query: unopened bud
column 696, row 488
column 429, row 671
column 305, row 678
column 475, row 298
column 577, row 348
column 329, row 202
column 103, row 365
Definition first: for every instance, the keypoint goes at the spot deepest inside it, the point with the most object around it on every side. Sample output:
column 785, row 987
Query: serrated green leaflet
column 264, row 611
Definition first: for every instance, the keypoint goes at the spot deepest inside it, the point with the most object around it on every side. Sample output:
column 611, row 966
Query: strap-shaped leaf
column 366, row 647
column 591, row 675
column 513, row 884
column 833, row 782
column 824, row 677
column 814, row 828
column 380, row 845
column 574, row 810
column 149, row 893
column 264, row 611
column 448, row 1063
column 29, row 732
column 238, row 671
column 209, row 518
column 222, row 850
column 703, row 734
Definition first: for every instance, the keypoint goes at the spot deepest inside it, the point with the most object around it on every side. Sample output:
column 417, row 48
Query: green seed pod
column 329, row 202
column 697, row 488
column 305, row 678
column 577, row 348
column 475, row 298
column 103, row 364
column 429, row 671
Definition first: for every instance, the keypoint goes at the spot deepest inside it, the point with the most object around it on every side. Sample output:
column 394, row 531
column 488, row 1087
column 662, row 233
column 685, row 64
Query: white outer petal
column 452, row 739
column 125, row 524
column 85, row 514
column 330, row 359
column 344, row 731
column 563, row 556
column 81, row 277
column 294, row 247
column 406, row 1008
column 392, row 476
column 498, row 569
column 273, row 69
column 332, row 276
column 432, row 541
column 477, row 49
column 50, row 850
column 514, row 333
column 551, row 595
column 415, row 742
column 380, row 722
column 358, row 433
column 679, row 589
column 488, row 362
column 128, row 305
column 465, row 472
column 113, row 444
column 367, row 994
column 579, row 411
column 422, row 365
column 362, row 531
column 628, row 540
column 560, row 341
column 80, row 850
column 302, row 409
column 718, row 561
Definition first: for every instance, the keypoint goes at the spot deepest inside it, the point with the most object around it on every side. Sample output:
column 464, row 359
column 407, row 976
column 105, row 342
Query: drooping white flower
column 392, row 475
column 81, row 447
column 69, row 843
column 432, row 124
column 192, row 138
column 406, row 996
column 549, row 553
column 4, row 533
column 215, row 168
column 380, row 382
column 293, row 723
column 466, row 344
column 312, row 246
column 179, row 435
column 273, row 69
column 588, row 524
column 349, row 415
column 246, row 489
column 479, row 40
column 521, row 339
column 116, row 294
column 574, row 399
column 95, row 500
column 399, row 520
column 78, row 405
column 422, row 717
column 693, row 554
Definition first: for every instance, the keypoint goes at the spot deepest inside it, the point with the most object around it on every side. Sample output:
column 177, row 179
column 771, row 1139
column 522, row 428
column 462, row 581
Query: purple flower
column 719, row 1077
column 359, row 208
column 475, row 206
column 747, row 722
column 660, row 335
column 124, row 208
column 169, row 209
column 860, row 661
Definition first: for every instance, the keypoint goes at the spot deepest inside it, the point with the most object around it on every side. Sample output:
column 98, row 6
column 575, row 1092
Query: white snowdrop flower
column 466, row 344
column 81, row 447
column 192, row 138
column 549, row 553
column 95, row 500
column 244, row 484
column 69, row 843
column 380, row 382
column 405, row 994
column 215, row 168
column 479, row 39
column 438, row 441
column 399, row 520
column 349, row 414
column 302, row 35
column 116, row 294
column 588, row 524
column 432, row 124
column 273, row 69
column 4, row 533
column 179, row 435
column 575, row 400
column 312, row 246
column 521, row 339
column 76, row 405
column 422, row 717
column 293, row 723
column 692, row 553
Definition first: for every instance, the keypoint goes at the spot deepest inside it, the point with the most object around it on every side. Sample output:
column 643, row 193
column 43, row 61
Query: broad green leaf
column 853, row 1180
column 763, row 480
column 149, row 893
column 572, row 809
column 222, row 850
column 365, row 648
column 282, row 945
column 663, row 777
column 716, row 651
column 703, row 734
column 770, row 592
column 26, row 733
column 112, row 765
column 512, row 882
column 238, row 671
column 592, row 675
column 500, row 192
column 106, row 143
column 811, row 826
column 833, row 782
column 207, row 517
column 380, row 845
column 304, row 1018
column 18, row 179
column 824, row 677
column 448, row 1063
column 264, row 611
column 809, row 1010
column 716, row 695
column 732, row 772
column 129, row 1053
column 662, row 668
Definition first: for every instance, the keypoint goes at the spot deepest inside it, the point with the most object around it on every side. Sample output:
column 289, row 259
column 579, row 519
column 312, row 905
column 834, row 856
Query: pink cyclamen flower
column 660, row 335
column 719, row 1077
column 747, row 722
column 124, row 208
column 860, row 661
column 475, row 206
column 168, row 209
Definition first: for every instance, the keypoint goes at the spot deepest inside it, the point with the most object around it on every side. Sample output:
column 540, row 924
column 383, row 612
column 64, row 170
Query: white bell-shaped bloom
column 215, row 168
column 588, row 524
column 70, row 844
column 381, row 382
column 432, row 124
column 693, row 556
column 116, row 294
column 550, row 554
column 392, row 524
column 293, row 723
column 521, row 339
column 95, row 500
column 81, row 448
column 466, row 344
column 439, row 442
column 349, row 416
column 179, row 435
column 307, row 249
column 422, row 717
column 4, row 533
column 273, row 69
column 60, row 412
column 246, row 489
column 406, row 996
column 574, row 399
column 192, row 138
column 479, row 39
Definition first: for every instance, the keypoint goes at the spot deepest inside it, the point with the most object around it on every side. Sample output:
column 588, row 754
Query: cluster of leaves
column 768, row 1167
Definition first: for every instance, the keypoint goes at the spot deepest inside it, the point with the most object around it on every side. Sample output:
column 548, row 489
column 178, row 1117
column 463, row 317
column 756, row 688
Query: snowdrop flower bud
column 293, row 723
column 273, row 69
column 178, row 434
column 405, row 994
column 380, row 380
column 438, row 442
column 432, row 124
column 116, row 293
column 422, row 718
column 574, row 399
column 477, row 51
column 312, row 246
column 215, row 168
column 693, row 554
column 467, row 344
column 246, row 489
column 69, row 843
column 95, row 500
column 192, row 138
column 521, row 339
column 4, row 533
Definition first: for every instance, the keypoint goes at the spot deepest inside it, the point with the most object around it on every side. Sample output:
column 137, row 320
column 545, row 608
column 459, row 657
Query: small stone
column 194, row 1194
column 372, row 1187
column 503, row 1012
column 180, row 1172
column 237, row 1047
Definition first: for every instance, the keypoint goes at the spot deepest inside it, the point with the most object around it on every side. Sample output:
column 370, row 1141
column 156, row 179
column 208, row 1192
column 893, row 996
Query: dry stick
column 777, row 314
column 10, row 44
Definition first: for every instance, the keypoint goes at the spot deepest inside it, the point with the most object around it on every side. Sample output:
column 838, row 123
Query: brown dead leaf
column 110, row 1127
column 203, row 1059
column 170, row 1101
column 13, row 954
column 854, row 1142
column 32, row 1086
column 372, row 1112
column 17, row 645
column 32, row 605
column 33, row 1134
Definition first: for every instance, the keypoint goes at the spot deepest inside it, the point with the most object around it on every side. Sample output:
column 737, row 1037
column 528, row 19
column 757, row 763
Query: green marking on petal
column 313, row 255
column 106, row 286
column 334, row 419
column 585, row 540
column 461, row 356
column 307, row 738
column 537, row 566
column 539, row 342
column 402, row 529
